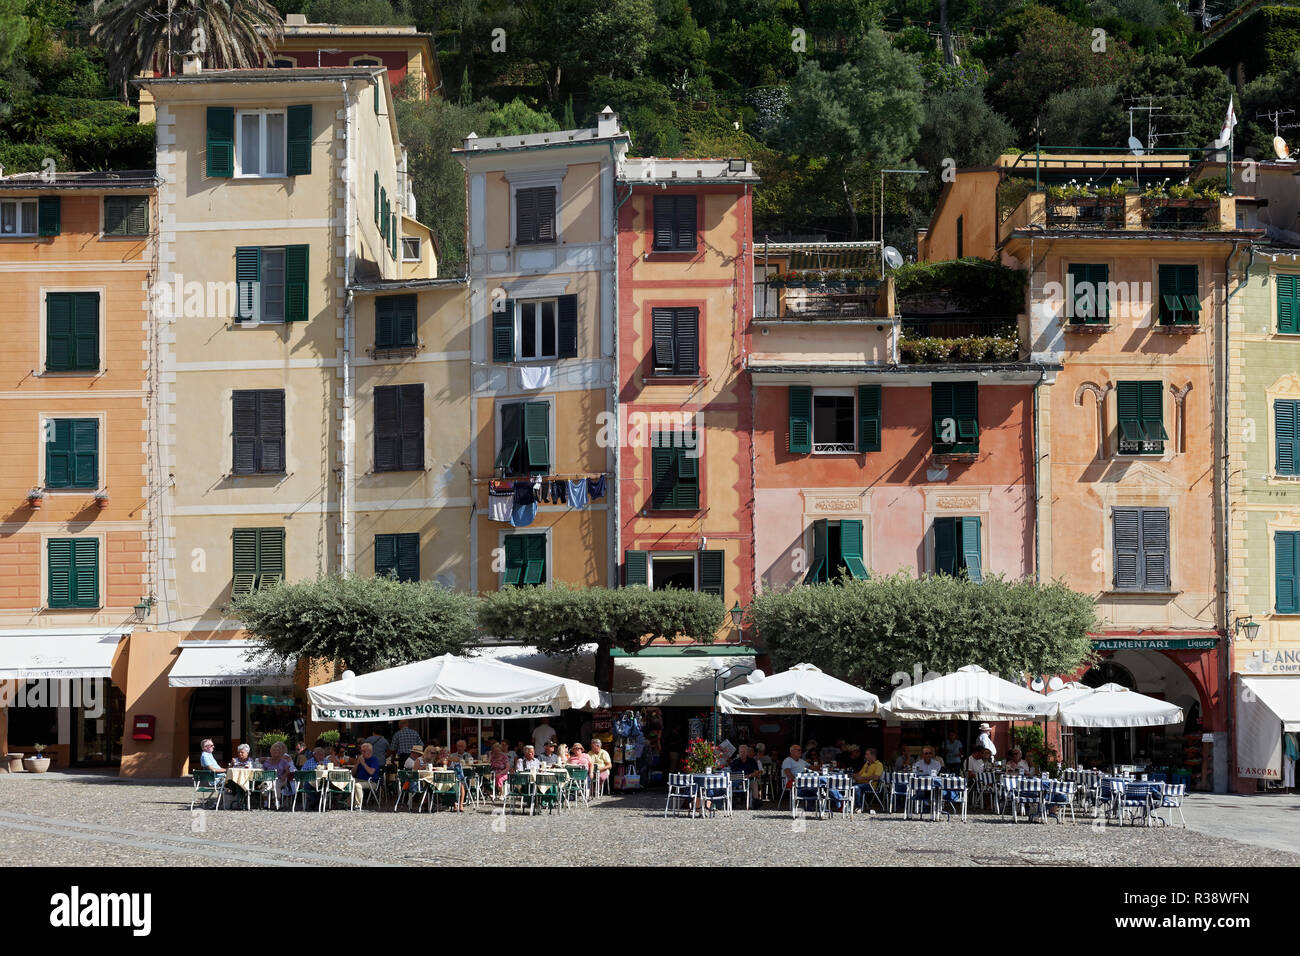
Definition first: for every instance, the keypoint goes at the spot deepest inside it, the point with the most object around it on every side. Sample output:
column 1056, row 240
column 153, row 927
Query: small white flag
column 1230, row 121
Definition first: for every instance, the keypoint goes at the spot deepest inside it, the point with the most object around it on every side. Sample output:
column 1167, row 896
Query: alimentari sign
column 395, row 712
column 1156, row 644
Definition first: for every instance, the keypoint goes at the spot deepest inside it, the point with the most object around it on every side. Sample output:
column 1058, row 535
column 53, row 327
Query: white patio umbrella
column 802, row 690
column 1069, row 693
column 451, row 686
column 1114, row 705
column 970, row 693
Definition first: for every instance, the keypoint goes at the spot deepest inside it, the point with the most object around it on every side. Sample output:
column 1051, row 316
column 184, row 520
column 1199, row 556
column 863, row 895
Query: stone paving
column 82, row 820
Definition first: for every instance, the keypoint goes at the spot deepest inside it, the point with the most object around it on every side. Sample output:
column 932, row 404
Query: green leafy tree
column 866, row 112
column 1270, row 92
column 962, row 128
column 231, row 34
column 1082, row 116
column 563, row 620
column 13, row 31
column 867, row 631
column 517, row 118
column 365, row 624
column 359, row 12
column 1192, row 99
column 572, row 40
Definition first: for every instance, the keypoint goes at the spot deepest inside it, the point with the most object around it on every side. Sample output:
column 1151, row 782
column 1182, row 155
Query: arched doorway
column 1171, row 748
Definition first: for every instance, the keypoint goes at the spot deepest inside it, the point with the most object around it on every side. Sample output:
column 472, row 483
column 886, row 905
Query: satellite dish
column 1135, row 146
column 1280, row 148
column 1038, row 684
column 893, row 258
column 1055, row 683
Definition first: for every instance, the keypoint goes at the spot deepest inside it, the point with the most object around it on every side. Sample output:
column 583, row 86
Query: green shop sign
column 1157, row 644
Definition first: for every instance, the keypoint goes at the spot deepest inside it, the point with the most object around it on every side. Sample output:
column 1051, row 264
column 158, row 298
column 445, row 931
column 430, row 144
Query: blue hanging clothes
column 578, row 493
column 596, row 487
column 521, row 516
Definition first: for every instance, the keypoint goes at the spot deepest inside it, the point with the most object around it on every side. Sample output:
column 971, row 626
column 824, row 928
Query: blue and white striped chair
column 715, row 790
column 1172, row 799
column 839, row 788
column 1026, row 795
column 899, row 784
column 681, row 790
column 986, row 791
column 952, row 794
column 1058, row 796
column 1138, row 798
column 921, row 796
column 808, row 795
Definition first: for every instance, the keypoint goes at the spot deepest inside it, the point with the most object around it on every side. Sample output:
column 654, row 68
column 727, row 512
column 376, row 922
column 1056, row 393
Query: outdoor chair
column 520, row 788
column 1138, row 799
column 1025, row 795
column 714, row 794
column 599, row 787
column 1172, row 799
column 952, row 796
column 205, row 787
column 986, row 791
column 444, row 789
column 871, row 791
column 681, row 793
column 548, row 792
column 340, row 783
column 576, row 785
column 920, row 796
column 808, row 795
column 1107, row 795
column 372, row 790
column 740, row 785
column 304, row 786
column 410, row 787
column 839, row 788
column 267, row 784
column 1059, row 795
column 899, row 785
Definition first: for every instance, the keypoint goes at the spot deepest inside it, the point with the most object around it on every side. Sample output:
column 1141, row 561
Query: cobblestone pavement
column 78, row 820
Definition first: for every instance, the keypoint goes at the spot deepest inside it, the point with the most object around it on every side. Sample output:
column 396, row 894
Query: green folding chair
column 340, row 783
column 410, row 786
column 304, row 785
column 205, row 787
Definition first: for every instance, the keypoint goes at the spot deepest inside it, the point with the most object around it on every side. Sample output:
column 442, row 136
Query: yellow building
column 542, row 345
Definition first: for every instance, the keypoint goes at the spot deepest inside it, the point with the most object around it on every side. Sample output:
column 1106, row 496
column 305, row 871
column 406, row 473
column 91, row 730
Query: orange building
column 76, row 257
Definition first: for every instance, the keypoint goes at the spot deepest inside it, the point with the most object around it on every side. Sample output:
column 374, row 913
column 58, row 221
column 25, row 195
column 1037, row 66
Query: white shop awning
column 680, row 678
column 1266, row 706
column 67, row 652
column 226, row 664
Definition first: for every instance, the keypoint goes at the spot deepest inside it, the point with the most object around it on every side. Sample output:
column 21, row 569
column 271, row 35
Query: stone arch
column 1099, row 392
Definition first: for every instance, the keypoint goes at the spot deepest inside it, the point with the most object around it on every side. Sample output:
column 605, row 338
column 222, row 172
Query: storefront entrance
column 210, row 717
column 97, row 733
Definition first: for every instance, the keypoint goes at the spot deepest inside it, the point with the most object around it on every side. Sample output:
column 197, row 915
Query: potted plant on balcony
column 101, row 499
column 35, row 498
column 39, row 763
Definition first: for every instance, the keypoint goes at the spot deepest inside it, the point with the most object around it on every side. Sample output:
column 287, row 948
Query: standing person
column 406, row 740
column 952, row 751
column 378, row 744
column 541, row 734
column 986, row 741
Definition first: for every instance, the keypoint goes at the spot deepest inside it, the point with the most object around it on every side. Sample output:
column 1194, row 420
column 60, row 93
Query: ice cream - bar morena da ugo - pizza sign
column 399, row 711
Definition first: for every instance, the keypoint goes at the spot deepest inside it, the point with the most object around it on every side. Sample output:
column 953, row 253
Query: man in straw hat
column 986, row 741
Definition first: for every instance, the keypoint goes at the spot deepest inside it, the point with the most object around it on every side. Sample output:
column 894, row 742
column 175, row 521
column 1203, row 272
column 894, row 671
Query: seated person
column 415, row 761
column 549, row 757
column 242, row 758
column 339, row 757
column 850, row 758
column 746, row 766
column 928, row 764
column 367, row 769
column 578, row 757
column 867, row 777
column 447, row 760
column 975, row 763
column 903, row 762
column 529, row 761
column 1016, row 763
column 792, row 766
column 208, row 762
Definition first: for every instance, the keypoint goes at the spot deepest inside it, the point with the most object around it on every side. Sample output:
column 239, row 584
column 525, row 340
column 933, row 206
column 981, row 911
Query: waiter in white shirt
column 542, row 733
column 986, row 741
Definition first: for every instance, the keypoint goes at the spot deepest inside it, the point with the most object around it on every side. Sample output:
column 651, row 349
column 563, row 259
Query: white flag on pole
column 1230, row 121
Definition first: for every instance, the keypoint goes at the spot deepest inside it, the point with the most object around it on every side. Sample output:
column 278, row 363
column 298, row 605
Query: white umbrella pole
column 448, row 741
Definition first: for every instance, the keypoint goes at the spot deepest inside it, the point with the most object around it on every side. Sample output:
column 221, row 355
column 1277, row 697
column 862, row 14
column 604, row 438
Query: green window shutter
column 408, row 557
column 221, row 141
column 970, row 548
column 1126, row 545
column 385, row 554
column 663, row 467
column 712, row 572
column 503, row 332
column 270, row 431
column 376, row 97
column 1129, row 404
column 537, row 436
column 942, row 413
column 295, row 283
column 514, row 545
column 687, row 494
column 1286, row 571
column 966, row 404
column 85, row 572
column 85, row 452
column 270, row 556
column 1189, row 290
column 1288, row 304
column 85, row 331
column 512, row 439
column 244, row 577
column 299, row 140
column 59, row 552
column 49, row 216
column 869, row 426
column 817, row 570
column 137, row 216
column 851, row 549
column 385, row 322
column 248, row 282
column 800, row 439
column 534, row 558
column 945, row 546
column 58, row 453
column 1170, row 305
column 664, row 340
column 407, row 310
column 1152, row 410
column 1180, row 300
column 568, row 326
column 686, row 335
column 114, row 216
column 383, row 214
column 1155, row 549
column 1285, row 421
column 376, row 200
column 636, row 568
column 1089, row 302
column 60, row 344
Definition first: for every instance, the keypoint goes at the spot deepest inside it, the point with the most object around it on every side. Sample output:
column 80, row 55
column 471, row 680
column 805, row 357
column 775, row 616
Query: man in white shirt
column 542, row 733
column 928, row 764
column 986, row 741
column 793, row 765
column 528, row 761
column 975, row 762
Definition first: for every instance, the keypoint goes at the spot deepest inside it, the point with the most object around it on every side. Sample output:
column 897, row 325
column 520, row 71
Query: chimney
column 296, row 20
column 193, row 65
column 607, row 123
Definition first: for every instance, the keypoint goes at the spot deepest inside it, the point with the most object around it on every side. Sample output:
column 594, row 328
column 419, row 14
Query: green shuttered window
column 1180, row 295
column 1141, row 418
column 800, row 437
column 395, row 321
column 837, row 552
column 1087, row 296
column 1286, row 424
column 399, row 427
column 1288, row 304
column 258, row 559
column 398, row 555
column 272, row 283
column 49, row 216
column 636, row 568
column 72, row 331
column 957, row 547
column 535, row 215
column 1286, row 563
column 709, row 570
column 72, row 453
column 503, row 331
column 676, row 340
column 954, row 409
column 676, row 472
column 73, row 572
column 525, row 560
column 299, row 140
column 221, row 141
column 869, row 418
column 126, row 215
column 1140, row 539
column 258, row 432
column 525, row 438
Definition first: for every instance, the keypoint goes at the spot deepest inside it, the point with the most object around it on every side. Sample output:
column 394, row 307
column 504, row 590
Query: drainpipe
column 345, row 472
column 1042, row 377
column 616, row 498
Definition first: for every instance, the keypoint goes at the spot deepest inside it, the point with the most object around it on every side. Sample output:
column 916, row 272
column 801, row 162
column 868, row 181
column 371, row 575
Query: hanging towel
column 578, row 493
column 534, row 376
column 596, row 487
column 499, row 506
column 521, row 516
column 501, row 487
column 524, row 493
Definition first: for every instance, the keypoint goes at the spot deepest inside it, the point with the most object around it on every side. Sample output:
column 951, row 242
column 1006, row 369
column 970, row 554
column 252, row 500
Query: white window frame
column 849, row 393
column 44, row 291
column 18, row 202
column 651, row 556
column 46, row 419
column 537, row 324
column 419, row 249
column 262, row 143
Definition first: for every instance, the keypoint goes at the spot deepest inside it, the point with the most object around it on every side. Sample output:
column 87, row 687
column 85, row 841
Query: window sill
column 670, row 253
column 674, row 379
column 954, row 457
column 394, row 351
column 1126, row 593
column 257, row 474
column 72, row 372
column 133, row 238
column 392, row 471
column 1088, row 328
column 257, row 323
column 1169, row 329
